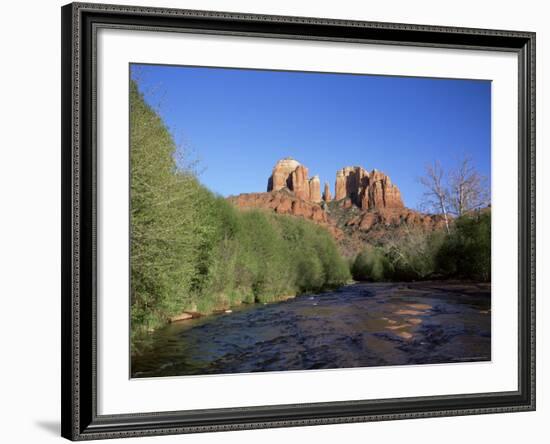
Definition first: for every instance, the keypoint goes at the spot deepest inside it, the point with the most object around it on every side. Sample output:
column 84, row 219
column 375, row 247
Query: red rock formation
column 299, row 182
column 350, row 181
column 281, row 202
column 290, row 174
column 367, row 190
column 382, row 193
column 392, row 196
column 326, row 194
column 280, row 177
column 315, row 189
column 375, row 192
column 395, row 217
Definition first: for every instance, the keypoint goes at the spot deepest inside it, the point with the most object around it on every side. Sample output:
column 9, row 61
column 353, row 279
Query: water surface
column 359, row 325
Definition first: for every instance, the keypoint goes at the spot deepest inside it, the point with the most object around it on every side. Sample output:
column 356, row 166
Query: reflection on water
column 359, row 325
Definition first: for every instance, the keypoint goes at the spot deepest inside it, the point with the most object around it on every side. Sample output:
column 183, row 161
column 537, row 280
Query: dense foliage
column 464, row 253
column 192, row 250
column 371, row 264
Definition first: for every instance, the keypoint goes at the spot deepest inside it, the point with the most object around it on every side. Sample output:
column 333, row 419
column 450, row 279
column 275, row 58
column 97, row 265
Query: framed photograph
column 278, row 221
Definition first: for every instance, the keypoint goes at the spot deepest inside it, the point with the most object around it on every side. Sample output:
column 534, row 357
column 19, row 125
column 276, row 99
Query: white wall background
column 30, row 220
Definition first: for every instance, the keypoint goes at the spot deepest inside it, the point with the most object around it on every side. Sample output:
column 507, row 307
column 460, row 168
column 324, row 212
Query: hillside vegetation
column 413, row 254
column 194, row 251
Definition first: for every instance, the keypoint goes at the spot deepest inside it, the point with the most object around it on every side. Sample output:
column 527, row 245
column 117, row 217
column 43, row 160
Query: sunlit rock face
column 367, row 190
column 290, row 174
column 281, row 175
column 326, row 194
column 351, row 182
column 315, row 189
column 299, row 182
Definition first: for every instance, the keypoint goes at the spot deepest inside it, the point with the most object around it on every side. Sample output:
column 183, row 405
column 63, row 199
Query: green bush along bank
column 463, row 253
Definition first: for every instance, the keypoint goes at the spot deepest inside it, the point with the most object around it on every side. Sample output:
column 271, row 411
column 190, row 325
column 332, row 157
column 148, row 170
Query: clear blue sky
column 237, row 123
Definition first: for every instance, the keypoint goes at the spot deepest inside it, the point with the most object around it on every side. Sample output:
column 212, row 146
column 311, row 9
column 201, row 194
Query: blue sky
column 237, row 123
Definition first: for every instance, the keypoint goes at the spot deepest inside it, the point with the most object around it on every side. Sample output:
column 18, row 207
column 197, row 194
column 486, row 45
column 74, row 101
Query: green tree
column 371, row 264
column 466, row 252
column 167, row 231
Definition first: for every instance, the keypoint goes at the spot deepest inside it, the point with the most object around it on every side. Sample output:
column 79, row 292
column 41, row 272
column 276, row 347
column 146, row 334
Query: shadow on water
column 359, row 325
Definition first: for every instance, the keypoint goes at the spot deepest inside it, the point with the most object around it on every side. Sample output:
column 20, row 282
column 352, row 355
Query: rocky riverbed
column 359, row 325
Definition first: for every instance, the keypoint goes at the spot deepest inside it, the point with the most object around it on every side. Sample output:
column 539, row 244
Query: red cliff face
column 281, row 175
column 315, row 189
column 291, row 175
column 281, row 202
column 326, row 194
column 299, row 182
column 351, row 182
column 366, row 190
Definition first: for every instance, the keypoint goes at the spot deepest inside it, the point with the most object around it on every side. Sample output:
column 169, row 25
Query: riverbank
column 226, row 305
column 403, row 288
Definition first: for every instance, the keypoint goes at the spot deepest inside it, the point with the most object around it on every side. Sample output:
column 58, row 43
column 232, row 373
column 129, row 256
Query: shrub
column 466, row 252
column 371, row 264
column 413, row 254
column 167, row 231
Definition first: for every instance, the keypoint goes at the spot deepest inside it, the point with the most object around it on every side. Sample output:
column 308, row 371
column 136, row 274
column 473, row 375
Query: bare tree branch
column 468, row 188
column 456, row 193
column 436, row 196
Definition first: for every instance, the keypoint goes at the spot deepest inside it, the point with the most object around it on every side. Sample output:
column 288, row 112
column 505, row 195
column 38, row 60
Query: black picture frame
column 79, row 385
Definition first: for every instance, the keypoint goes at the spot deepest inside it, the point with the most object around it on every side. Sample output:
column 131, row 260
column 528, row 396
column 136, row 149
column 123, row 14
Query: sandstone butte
column 366, row 203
